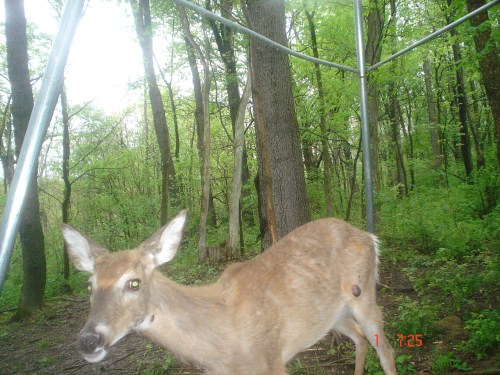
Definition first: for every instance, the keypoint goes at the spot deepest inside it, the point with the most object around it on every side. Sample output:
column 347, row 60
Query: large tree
column 281, row 170
column 30, row 228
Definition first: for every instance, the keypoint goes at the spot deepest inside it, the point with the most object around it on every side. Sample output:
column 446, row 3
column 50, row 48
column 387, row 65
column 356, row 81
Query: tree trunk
column 205, row 141
column 200, row 120
column 395, row 117
column 325, row 149
column 142, row 18
column 6, row 148
column 373, row 51
column 281, row 169
column 225, row 44
column 489, row 63
column 30, row 227
column 65, row 175
column 431, row 110
column 401, row 181
column 461, row 101
column 238, row 146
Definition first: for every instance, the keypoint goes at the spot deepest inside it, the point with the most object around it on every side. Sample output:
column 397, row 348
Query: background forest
column 252, row 156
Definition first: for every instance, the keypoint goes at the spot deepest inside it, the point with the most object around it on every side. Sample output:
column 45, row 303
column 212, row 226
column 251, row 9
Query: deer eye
column 134, row 284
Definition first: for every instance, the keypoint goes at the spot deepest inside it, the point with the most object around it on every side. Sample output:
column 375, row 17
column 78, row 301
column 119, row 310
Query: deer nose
column 88, row 342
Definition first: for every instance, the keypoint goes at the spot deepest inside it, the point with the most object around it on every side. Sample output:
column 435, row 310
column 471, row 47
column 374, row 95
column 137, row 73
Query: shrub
column 484, row 333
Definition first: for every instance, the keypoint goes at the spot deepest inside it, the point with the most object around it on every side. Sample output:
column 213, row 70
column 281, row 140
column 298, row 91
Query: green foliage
column 403, row 363
column 416, row 316
column 458, row 281
column 297, row 368
column 443, row 363
column 484, row 333
column 46, row 361
column 437, row 218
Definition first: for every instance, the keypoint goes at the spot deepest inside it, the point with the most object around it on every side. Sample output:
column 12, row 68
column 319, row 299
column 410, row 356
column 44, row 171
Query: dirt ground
column 46, row 345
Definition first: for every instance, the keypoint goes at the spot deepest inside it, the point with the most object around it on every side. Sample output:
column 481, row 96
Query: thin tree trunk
column 461, row 101
column 142, row 18
column 6, row 148
column 205, row 147
column 395, row 119
column 373, row 51
column 353, row 181
column 147, row 153
column 474, row 117
column 30, row 227
column 409, row 134
column 238, row 146
column 173, row 107
column 402, row 185
column 225, row 43
column 325, row 149
column 65, row 175
column 431, row 110
column 199, row 119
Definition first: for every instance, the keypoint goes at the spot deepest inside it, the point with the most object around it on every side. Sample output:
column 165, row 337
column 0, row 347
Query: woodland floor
column 46, row 345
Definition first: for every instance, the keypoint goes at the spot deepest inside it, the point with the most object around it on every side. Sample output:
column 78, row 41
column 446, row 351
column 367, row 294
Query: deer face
column 119, row 284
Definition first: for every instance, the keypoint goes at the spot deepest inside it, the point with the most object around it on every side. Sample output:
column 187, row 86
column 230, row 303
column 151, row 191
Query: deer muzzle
column 90, row 345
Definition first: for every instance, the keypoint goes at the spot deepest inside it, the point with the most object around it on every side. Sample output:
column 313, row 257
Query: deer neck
column 191, row 322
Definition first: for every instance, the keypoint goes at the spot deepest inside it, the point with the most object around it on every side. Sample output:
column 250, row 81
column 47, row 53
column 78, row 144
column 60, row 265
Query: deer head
column 118, row 284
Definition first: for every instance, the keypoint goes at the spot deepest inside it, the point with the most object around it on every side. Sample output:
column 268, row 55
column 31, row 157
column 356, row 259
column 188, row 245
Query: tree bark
column 142, row 18
column 489, row 63
column 30, row 227
column 281, row 169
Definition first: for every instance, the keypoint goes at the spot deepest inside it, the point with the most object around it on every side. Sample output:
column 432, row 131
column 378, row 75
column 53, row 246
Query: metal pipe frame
column 41, row 115
column 365, row 128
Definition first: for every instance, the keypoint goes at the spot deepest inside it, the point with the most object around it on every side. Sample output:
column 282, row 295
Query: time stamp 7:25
column 410, row 341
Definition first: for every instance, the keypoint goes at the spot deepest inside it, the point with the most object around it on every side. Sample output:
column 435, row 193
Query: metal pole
column 435, row 34
column 365, row 129
column 43, row 109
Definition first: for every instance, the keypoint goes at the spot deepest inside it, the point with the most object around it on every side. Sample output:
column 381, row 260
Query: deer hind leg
column 350, row 328
column 370, row 320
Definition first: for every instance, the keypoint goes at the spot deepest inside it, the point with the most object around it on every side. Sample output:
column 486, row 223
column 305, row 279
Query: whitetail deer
column 319, row 278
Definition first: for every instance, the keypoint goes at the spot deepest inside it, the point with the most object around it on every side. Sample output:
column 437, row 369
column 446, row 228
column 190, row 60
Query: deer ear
column 162, row 246
column 81, row 250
